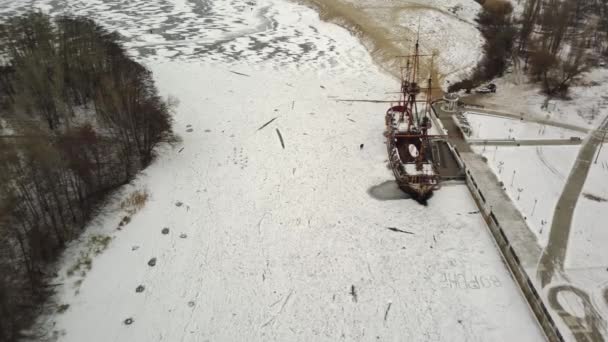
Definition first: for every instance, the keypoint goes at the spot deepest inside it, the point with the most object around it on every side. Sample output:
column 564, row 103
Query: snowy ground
column 540, row 172
column 271, row 242
column 587, row 106
column 5, row 128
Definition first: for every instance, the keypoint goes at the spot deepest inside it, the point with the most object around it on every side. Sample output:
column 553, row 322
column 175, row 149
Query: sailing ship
column 408, row 143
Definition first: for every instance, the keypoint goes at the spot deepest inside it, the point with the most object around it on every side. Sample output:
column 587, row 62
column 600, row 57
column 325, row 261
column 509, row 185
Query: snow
column 272, row 253
column 442, row 32
column 495, row 128
column 427, row 169
column 541, row 171
column 544, row 175
column 5, row 128
column 587, row 106
column 272, row 243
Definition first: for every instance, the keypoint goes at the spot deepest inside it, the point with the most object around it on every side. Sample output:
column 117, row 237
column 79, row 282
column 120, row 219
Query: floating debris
column 179, row 204
column 239, row 73
column 152, row 262
column 594, row 197
column 399, row 230
column 268, row 123
column 387, row 310
column 281, row 138
column 140, row 289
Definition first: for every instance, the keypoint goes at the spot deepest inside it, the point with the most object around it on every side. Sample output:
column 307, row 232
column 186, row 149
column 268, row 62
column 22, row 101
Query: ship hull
column 419, row 193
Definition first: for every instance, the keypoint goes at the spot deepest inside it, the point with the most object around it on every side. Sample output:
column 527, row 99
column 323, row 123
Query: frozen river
column 273, row 235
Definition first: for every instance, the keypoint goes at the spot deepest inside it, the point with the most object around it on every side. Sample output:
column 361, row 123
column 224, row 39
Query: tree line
column 555, row 40
column 78, row 118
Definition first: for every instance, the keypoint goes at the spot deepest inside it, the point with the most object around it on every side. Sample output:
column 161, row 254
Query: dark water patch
column 388, row 191
column 201, row 7
column 306, row 47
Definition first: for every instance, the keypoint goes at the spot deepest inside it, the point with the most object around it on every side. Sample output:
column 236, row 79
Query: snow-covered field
column 272, row 234
column 492, row 127
column 540, row 172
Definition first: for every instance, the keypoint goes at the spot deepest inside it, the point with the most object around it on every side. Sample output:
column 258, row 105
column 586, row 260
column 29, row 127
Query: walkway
column 495, row 200
column 524, row 142
column 553, row 256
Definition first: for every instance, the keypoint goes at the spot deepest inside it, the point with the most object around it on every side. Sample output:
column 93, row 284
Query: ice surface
column 281, row 244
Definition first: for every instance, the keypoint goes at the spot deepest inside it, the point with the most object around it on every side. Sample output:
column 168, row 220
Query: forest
column 78, row 119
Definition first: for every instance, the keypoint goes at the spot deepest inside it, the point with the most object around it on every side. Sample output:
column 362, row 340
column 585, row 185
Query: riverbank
column 447, row 30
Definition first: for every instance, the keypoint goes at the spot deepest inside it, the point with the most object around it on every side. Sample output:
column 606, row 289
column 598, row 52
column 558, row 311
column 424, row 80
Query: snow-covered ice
column 269, row 242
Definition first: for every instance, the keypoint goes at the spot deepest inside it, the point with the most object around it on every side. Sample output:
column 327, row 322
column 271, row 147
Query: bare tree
column 528, row 21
